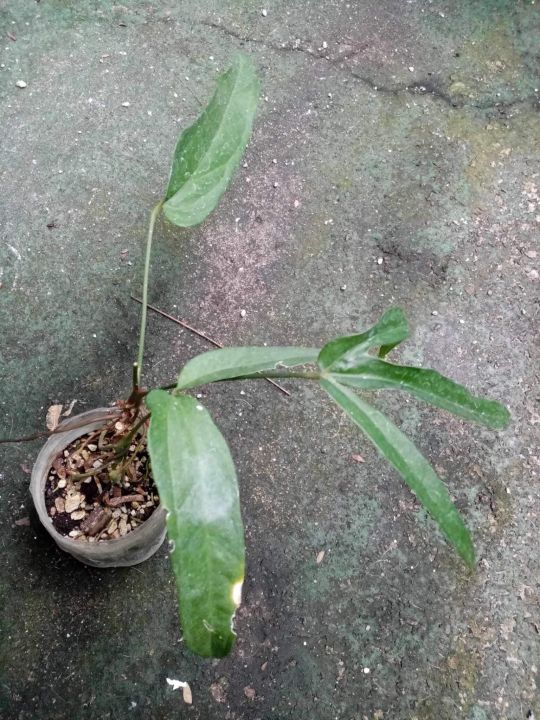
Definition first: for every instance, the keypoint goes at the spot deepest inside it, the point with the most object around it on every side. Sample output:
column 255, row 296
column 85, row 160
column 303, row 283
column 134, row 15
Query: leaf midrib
column 212, row 142
column 478, row 413
column 207, row 605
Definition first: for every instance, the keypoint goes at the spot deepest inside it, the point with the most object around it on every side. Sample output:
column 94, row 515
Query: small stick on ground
column 60, row 429
column 202, row 335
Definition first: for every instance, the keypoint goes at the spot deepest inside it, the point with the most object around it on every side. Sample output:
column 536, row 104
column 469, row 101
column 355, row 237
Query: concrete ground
column 395, row 161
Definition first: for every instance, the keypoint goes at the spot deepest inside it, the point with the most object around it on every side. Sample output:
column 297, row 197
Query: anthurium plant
column 190, row 461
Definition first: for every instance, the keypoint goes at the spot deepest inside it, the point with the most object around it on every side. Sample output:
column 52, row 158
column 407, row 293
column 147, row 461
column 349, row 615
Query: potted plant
column 109, row 483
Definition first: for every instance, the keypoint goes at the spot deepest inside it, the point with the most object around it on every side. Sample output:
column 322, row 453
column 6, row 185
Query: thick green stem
column 142, row 332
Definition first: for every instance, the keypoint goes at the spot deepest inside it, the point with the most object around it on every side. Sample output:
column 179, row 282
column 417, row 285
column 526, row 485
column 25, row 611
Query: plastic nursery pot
column 133, row 548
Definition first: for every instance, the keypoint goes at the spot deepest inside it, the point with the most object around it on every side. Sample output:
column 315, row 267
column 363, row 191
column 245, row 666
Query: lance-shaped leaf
column 410, row 463
column 196, row 480
column 208, row 152
column 428, row 385
column 230, row 363
column 346, row 352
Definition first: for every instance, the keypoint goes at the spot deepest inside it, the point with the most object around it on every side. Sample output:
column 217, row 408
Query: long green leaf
column 234, row 362
column 208, row 152
column 197, row 484
column 428, row 385
column 346, row 352
column 410, row 463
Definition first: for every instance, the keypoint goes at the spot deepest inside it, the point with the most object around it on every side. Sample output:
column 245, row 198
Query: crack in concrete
column 423, row 88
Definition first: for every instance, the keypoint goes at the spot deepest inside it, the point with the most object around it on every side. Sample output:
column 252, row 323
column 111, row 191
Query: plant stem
column 153, row 217
column 135, row 376
column 126, row 441
column 94, row 471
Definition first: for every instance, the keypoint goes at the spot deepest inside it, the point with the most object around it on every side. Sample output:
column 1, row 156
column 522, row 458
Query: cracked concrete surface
column 342, row 61
column 395, row 155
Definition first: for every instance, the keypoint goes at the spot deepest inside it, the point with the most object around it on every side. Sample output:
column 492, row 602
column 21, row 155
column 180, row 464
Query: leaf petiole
column 153, row 217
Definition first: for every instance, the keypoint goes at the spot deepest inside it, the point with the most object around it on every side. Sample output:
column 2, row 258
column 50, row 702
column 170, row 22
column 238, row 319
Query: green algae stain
column 458, row 89
column 23, row 635
column 477, row 713
column 489, row 146
column 502, row 504
column 344, row 558
column 317, row 239
column 452, row 687
column 489, row 64
column 435, row 238
column 410, row 420
column 494, row 43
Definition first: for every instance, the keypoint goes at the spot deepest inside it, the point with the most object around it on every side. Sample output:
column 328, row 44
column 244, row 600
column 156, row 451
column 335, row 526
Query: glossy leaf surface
column 346, row 352
column 410, row 463
column 197, row 484
column 428, row 385
column 229, row 363
column 208, row 152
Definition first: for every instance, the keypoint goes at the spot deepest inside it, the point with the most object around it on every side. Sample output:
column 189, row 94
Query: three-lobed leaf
column 410, row 463
column 208, row 152
column 346, row 352
column 229, row 363
column 429, row 385
column 197, row 484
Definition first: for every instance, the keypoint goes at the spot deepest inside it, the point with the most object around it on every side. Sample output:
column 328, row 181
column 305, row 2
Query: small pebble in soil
column 72, row 501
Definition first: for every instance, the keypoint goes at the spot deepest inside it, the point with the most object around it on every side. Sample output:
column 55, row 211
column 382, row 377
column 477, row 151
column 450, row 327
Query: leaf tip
column 503, row 416
column 462, row 542
column 468, row 555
